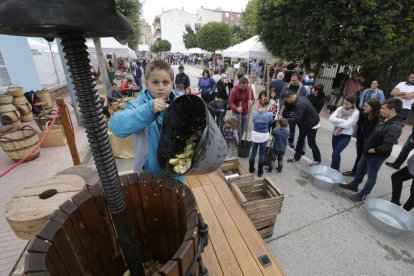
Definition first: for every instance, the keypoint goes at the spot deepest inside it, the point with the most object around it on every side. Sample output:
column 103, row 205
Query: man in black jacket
column 377, row 148
column 182, row 78
column 307, row 119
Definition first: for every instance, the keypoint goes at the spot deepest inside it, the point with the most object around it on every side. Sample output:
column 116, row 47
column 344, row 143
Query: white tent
column 195, row 51
column 251, row 48
column 143, row 47
column 109, row 45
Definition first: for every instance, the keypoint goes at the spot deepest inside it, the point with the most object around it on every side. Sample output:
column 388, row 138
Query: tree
column 161, row 46
column 248, row 19
column 131, row 9
column 189, row 37
column 238, row 35
column 365, row 33
column 214, row 36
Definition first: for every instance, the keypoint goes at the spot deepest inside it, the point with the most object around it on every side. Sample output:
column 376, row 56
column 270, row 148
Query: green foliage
column 238, row 35
column 214, row 36
column 131, row 9
column 161, row 46
column 249, row 17
column 189, row 37
column 337, row 31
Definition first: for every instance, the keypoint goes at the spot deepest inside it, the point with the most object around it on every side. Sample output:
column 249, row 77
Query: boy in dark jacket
column 281, row 135
column 307, row 119
column 377, row 148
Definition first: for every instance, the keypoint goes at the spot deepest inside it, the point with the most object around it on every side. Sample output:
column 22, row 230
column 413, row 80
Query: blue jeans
column 339, row 143
column 262, row 149
column 369, row 165
column 243, row 123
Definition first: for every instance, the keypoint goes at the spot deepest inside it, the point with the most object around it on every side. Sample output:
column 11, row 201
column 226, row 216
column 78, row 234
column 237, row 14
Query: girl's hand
column 159, row 105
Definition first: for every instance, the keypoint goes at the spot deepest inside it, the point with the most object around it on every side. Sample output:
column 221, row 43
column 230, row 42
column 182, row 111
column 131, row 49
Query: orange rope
column 36, row 147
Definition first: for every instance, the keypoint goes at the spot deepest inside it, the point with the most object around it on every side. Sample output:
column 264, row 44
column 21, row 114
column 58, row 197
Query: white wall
column 18, row 58
column 49, row 76
column 173, row 26
column 205, row 16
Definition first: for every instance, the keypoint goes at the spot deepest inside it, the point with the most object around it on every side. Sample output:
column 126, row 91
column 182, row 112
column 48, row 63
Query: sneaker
column 291, row 145
column 314, row 163
column 349, row 187
column 392, row 165
column 269, row 172
column 348, row 173
column 292, row 160
column 279, row 172
column 357, row 197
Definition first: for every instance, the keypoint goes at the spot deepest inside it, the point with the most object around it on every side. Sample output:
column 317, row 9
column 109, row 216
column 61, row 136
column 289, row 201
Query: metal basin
column 325, row 178
column 388, row 217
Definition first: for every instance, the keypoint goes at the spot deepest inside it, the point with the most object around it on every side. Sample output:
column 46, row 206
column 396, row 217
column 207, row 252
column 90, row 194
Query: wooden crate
column 261, row 200
column 233, row 166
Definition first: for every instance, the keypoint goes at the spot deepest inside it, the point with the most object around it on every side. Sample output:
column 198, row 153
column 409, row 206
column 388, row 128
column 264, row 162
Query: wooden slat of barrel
column 158, row 221
column 26, row 212
column 81, row 232
column 184, row 256
column 86, row 256
column 38, row 245
column 95, row 232
column 136, row 215
column 166, row 197
column 176, row 212
column 170, row 269
column 35, row 262
column 53, row 231
column 145, row 189
column 102, row 206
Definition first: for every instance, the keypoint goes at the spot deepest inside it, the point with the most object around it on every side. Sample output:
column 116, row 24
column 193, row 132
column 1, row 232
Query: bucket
column 19, row 100
column 24, row 108
column 18, row 143
column 243, row 149
column 186, row 117
column 10, row 117
column 44, row 95
column 79, row 237
column 15, row 90
column 6, row 99
column 7, row 108
column 27, row 117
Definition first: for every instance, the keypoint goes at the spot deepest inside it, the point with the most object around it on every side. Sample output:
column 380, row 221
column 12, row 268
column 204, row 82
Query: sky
column 151, row 8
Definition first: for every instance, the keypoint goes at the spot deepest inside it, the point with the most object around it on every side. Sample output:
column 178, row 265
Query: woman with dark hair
column 367, row 121
column 317, row 97
column 343, row 119
column 206, row 85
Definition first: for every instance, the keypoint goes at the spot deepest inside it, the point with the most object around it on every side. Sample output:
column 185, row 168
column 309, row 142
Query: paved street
column 317, row 233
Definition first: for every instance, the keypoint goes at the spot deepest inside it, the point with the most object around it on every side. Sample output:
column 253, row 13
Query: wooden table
column 234, row 244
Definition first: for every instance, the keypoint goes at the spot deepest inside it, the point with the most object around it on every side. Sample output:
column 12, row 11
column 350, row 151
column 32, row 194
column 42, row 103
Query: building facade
column 147, row 37
column 205, row 16
column 170, row 25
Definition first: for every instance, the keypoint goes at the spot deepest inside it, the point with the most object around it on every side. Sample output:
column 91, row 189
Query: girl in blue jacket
column 143, row 116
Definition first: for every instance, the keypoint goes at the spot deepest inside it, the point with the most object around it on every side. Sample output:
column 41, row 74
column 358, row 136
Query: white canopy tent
column 251, row 48
column 143, row 48
column 195, row 51
column 109, row 45
column 36, row 45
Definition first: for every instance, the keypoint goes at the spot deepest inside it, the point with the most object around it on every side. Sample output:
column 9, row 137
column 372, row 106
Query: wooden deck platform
column 234, row 244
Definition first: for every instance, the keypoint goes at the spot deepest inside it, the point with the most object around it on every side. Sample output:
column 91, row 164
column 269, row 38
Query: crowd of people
column 376, row 122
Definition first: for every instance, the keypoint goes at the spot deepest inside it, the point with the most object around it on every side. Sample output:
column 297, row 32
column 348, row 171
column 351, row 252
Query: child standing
column 229, row 132
column 260, row 135
column 273, row 107
column 280, row 143
column 143, row 116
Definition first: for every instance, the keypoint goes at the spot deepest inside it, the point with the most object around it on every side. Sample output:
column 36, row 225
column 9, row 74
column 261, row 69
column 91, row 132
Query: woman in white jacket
column 343, row 119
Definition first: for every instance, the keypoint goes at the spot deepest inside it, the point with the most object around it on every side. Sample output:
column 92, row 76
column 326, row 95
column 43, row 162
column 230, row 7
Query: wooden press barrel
column 28, row 210
column 79, row 238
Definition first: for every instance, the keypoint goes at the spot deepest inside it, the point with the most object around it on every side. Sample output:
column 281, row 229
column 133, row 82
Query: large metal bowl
column 388, row 217
column 325, row 177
